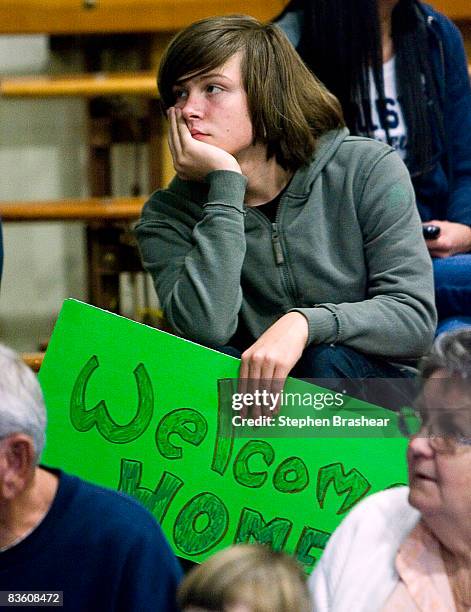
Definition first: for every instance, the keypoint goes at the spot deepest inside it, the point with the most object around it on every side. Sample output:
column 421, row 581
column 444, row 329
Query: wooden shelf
column 91, row 209
column 73, row 16
column 85, row 85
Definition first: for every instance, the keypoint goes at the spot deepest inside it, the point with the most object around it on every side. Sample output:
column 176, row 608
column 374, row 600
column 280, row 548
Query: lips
column 421, row 470
column 423, row 476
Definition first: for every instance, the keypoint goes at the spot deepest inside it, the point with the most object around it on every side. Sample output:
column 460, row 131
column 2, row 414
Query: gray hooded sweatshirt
column 346, row 251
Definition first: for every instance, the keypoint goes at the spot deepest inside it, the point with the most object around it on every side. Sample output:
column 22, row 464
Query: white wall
column 43, row 155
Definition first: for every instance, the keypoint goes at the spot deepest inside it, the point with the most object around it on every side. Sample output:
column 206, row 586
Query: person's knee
column 228, row 350
column 452, row 286
column 328, row 361
column 452, row 324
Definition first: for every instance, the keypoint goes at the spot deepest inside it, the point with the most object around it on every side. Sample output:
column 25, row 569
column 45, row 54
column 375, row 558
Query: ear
column 18, row 459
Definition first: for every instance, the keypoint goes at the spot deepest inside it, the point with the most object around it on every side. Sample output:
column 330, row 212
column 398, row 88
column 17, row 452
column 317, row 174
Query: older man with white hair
column 59, row 533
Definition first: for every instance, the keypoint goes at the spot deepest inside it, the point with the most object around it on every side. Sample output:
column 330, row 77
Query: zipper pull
column 277, row 250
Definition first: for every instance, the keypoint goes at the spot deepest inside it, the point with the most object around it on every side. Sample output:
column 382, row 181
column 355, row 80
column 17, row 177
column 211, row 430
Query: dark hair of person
column 289, row 107
column 341, row 41
column 246, row 574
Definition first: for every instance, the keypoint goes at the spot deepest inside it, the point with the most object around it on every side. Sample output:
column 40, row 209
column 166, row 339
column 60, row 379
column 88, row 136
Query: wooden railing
column 89, row 209
column 101, row 16
column 111, row 248
column 84, row 85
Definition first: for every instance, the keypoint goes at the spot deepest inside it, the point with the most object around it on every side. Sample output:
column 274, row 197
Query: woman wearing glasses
column 409, row 548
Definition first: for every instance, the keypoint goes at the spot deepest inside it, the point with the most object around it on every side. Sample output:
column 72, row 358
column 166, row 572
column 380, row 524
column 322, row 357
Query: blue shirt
column 101, row 548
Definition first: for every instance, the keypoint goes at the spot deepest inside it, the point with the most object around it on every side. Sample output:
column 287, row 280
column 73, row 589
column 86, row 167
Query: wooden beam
column 454, row 9
column 91, row 209
column 84, row 85
column 100, row 16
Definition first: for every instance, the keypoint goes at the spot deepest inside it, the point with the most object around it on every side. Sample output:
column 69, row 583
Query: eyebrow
column 201, row 77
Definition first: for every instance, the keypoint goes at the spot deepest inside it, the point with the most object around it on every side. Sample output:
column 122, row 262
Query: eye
column 214, row 89
column 180, row 94
column 447, row 426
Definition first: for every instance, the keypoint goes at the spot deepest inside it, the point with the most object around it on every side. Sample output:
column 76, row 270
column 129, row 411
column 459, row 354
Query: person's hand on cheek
column 192, row 159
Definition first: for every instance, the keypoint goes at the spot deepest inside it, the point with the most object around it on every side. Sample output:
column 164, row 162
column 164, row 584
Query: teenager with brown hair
column 281, row 234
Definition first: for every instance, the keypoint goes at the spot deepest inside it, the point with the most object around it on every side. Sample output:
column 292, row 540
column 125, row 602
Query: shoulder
column 389, row 506
column 382, row 519
column 372, row 162
column 377, row 165
column 377, row 525
column 126, row 552
column 358, row 164
column 358, row 563
column 435, row 16
column 340, row 144
column 364, row 148
column 442, row 25
column 112, row 511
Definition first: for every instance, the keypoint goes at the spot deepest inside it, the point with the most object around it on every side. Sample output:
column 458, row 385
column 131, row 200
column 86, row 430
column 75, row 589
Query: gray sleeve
column 397, row 317
column 196, row 266
column 291, row 24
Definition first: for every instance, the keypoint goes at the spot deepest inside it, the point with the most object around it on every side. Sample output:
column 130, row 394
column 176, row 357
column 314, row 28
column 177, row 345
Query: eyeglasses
column 447, row 429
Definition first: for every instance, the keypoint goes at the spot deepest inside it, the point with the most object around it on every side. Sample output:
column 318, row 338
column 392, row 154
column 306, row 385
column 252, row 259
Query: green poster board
column 136, row 409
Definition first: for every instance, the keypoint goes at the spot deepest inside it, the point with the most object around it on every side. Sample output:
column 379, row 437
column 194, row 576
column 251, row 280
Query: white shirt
column 357, row 570
column 292, row 24
column 392, row 117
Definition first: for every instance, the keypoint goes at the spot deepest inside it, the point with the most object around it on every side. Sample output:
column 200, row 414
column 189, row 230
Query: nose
column 192, row 106
column 419, row 445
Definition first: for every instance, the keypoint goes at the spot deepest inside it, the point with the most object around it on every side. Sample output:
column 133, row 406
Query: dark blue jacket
column 101, row 548
column 444, row 191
